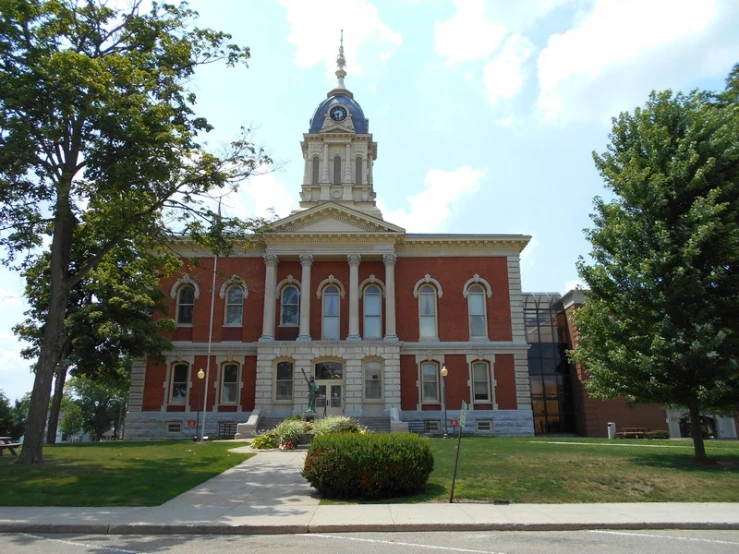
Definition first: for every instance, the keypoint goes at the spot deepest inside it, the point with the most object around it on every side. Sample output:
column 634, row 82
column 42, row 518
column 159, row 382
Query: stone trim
column 185, row 280
column 476, row 280
column 234, row 280
column 427, row 279
column 330, row 280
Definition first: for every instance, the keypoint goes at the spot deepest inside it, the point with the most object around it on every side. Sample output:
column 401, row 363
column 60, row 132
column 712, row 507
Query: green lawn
column 114, row 473
column 534, row 470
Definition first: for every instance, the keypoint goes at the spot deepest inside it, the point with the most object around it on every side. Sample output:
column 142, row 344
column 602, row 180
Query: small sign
column 453, row 422
column 463, row 414
column 191, row 423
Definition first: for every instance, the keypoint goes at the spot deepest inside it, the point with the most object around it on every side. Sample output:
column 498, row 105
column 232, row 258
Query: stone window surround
column 428, row 357
column 221, row 362
column 233, row 281
column 284, row 401
column 381, row 361
column 489, row 359
column 175, row 294
column 171, row 361
column 287, row 281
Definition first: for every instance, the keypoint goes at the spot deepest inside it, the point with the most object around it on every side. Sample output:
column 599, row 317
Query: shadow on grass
column 685, row 462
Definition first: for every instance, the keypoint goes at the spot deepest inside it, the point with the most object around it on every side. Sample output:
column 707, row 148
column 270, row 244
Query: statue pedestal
column 309, row 416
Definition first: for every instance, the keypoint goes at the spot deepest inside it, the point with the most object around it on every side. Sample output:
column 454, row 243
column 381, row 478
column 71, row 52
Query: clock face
column 338, row 113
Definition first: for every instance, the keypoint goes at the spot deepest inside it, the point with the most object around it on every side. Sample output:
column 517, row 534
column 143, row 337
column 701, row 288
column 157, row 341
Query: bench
column 633, row 433
column 10, row 446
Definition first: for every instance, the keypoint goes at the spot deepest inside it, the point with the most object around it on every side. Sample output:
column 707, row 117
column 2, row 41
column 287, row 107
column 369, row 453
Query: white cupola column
column 270, row 284
column 324, row 169
column 348, row 164
column 354, row 260
column 306, row 261
column 389, row 260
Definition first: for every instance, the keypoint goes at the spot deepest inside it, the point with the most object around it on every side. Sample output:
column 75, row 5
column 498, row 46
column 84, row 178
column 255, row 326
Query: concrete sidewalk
column 267, row 495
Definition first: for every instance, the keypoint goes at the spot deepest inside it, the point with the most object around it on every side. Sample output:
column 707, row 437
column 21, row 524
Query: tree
column 99, row 146
column 72, row 419
column 6, row 416
column 101, row 399
column 661, row 320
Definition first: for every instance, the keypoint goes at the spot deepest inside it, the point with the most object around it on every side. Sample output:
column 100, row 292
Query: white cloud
column 8, row 298
column 431, row 209
column 315, row 32
column 618, row 51
column 572, row 285
column 503, row 77
column 508, row 121
column 468, row 35
column 258, row 196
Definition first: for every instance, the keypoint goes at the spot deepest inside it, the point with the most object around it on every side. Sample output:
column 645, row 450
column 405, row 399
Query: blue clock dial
column 338, row 113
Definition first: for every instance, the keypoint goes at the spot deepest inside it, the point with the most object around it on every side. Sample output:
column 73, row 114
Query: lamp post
column 201, row 375
column 444, row 373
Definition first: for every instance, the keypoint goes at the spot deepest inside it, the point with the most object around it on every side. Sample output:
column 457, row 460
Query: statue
column 312, row 390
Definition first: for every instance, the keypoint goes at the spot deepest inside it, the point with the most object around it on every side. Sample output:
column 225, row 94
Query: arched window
column 476, row 308
column 178, row 388
column 427, row 311
column 284, row 381
column 235, row 305
column 289, row 309
column 429, row 382
column 337, row 170
column 331, row 313
column 315, row 169
column 358, row 169
column 229, row 383
column 372, row 312
column 185, row 305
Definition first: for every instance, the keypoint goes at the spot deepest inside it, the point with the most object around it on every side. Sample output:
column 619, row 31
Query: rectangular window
column 284, row 381
column 289, row 306
column 230, row 383
column 429, row 382
column 174, row 427
column 372, row 312
column 373, row 381
column 481, row 382
column 331, row 313
column 476, row 303
column 179, row 384
column 427, row 300
column 234, row 306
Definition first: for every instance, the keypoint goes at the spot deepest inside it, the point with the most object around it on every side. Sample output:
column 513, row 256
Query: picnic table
column 7, row 443
column 633, row 433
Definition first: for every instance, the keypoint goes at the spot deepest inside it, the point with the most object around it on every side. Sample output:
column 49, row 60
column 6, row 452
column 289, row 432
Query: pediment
column 332, row 218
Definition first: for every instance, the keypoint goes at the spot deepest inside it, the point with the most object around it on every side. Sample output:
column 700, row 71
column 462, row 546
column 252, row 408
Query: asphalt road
column 603, row 542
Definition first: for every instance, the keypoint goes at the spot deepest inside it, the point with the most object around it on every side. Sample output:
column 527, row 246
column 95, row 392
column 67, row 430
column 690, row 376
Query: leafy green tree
column 661, row 320
column 100, row 146
column 72, row 419
column 101, row 399
column 6, row 416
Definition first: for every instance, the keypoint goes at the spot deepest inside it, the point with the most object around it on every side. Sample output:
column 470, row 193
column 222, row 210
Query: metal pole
column 210, row 342
column 446, row 434
column 200, row 403
column 456, row 461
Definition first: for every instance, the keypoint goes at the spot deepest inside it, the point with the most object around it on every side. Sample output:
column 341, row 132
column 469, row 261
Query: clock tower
column 339, row 152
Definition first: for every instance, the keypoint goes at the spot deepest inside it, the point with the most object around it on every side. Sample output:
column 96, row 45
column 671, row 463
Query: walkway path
column 266, row 494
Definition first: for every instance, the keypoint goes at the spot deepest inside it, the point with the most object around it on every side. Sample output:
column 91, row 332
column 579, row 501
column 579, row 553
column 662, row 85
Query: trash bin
column 611, row 430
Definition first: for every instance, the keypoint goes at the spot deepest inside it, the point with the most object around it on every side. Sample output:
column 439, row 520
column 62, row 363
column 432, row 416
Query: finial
column 341, row 62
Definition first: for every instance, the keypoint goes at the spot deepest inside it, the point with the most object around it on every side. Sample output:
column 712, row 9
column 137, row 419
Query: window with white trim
column 429, row 382
column 373, row 380
column 372, row 312
column 289, row 305
column 284, row 381
column 229, row 383
column 178, row 387
column 476, row 308
column 427, row 312
column 331, row 296
column 480, row 382
column 234, row 305
column 185, row 304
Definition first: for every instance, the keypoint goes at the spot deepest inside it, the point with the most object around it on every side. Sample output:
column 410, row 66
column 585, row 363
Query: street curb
column 205, row 529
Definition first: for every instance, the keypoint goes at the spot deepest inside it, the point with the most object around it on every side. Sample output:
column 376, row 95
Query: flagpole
column 210, row 336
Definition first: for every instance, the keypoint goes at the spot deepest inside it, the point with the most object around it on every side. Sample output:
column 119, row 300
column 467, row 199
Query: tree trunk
column 56, row 404
column 697, row 432
column 55, row 333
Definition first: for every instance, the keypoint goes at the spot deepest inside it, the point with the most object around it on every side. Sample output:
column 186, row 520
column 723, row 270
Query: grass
column 532, row 470
column 114, row 473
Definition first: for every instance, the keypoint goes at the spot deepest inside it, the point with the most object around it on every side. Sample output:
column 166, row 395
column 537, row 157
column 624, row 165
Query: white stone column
column 270, row 283
column 389, row 260
column 306, row 261
column 348, row 165
column 324, row 169
column 354, row 260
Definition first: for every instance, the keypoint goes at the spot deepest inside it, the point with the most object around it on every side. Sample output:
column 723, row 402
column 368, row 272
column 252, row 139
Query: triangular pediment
column 329, row 218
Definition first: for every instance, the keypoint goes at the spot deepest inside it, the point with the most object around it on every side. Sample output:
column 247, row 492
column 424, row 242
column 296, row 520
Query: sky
column 486, row 112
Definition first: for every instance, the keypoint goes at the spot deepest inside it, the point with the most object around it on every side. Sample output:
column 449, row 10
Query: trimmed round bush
column 371, row 466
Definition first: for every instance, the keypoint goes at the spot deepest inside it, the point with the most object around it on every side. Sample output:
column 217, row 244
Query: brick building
column 376, row 315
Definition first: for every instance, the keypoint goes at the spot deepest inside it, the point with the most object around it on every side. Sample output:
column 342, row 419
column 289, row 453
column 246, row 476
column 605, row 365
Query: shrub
column 291, row 430
column 267, row 440
column 336, row 424
column 658, row 434
column 353, row 465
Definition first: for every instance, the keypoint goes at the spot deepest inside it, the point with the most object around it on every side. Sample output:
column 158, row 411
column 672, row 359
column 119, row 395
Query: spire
column 341, row 62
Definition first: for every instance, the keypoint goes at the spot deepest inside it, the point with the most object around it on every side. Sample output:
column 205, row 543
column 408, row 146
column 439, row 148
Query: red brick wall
column 452, row 273
column 505, row 391
column 249, row 377
column 153, row 397
column 457, row 388
column 408, row 378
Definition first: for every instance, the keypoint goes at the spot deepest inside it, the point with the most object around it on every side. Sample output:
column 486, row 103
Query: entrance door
column 330, row 381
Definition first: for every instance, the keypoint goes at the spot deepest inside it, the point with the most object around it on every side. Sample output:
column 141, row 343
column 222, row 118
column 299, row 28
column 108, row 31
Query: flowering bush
column 287, row 445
